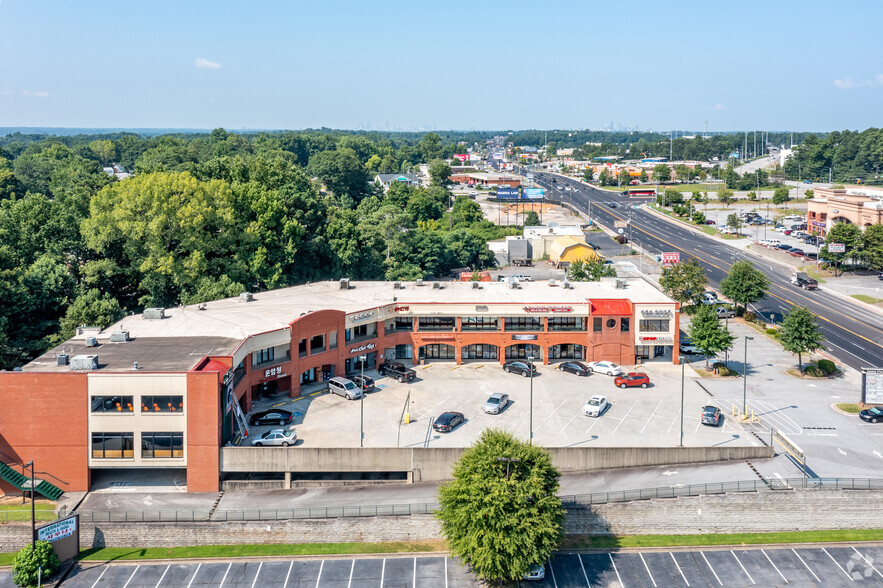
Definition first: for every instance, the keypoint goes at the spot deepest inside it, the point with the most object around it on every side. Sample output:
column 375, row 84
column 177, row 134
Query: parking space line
column 99, row 577
column 224, row 579
column 679, row 569
column 288, row 575
column 648, row 569
column 743, row 567
column 868, row 562
column 615, row 570
column 382, row 571
column 650, row 418
column 319, row 577
column 838, row 565
column 806, row 566
column 774, row 566
column 585, row 575
column 197, row 571
column 255, row 581
column 135, row 571
column 552, row 414
column 711, row 568
column 414, row 582
column 166, row 571
column 554, row 581
column 568, row 423
column 350, row 583
column 446, row 571
column 623, row 418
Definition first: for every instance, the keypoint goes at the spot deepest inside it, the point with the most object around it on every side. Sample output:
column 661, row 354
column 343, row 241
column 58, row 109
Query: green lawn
column 867, row 299
column 16, row 511
column 19, row 506
column 848, row 407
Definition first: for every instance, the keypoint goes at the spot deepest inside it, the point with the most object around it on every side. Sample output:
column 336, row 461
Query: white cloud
column 850, row 84
column 719, row 106
column 205, row 63
column 5, row 92
column 33, row 94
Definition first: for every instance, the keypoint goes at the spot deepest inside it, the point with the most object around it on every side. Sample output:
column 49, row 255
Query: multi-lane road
column 854, row 333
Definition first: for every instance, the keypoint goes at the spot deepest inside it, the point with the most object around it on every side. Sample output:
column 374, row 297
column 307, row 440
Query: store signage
column 872, row 386
column 365, row 347
column 461, row 156
column 438, row 338
column 401, row 308
column 655, row 313
column 361, row 316
column 665, row 340
column 273, row 371
column 837, row 247
column 58, row 530
column 481, row 308
column 548, row 309
column 524, row 337
column 670, row 257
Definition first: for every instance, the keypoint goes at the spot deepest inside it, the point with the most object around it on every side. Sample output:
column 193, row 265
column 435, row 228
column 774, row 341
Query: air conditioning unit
column 476, row 285
column 119, row 337
column 396, row 285
column 62, row 359
column 419, row 282
column 344, row 283
column 246, row 297
column 84, row 362
column 551, row 283
column 91, row 342
column 435, row 285
column 620, row 284
column 154, row 313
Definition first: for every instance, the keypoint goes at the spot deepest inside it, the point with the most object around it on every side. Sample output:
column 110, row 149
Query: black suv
column 397, row 370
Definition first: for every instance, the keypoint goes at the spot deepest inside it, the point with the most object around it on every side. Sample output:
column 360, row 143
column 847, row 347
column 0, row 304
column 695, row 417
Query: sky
column 668, row 64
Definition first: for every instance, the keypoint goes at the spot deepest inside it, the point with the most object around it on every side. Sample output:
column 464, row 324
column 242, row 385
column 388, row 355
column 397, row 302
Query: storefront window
column 158, row 445
column 113, row 445
column 112, row 404
column 625, row 324
column 317, row 344
column 524, row 323
column 162, row 404
column 522, row 350
column 567, row 323
column 597, row 324
column 438, row 351
column 654, row 325
column 479, row 323
column 436, row 323
column 480, row 351
column 566, row 351
column 308, row 377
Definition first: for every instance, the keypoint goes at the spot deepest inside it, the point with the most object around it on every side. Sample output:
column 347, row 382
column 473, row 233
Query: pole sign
column 872, row 386
column 508, row 193
column 837, row 247
column 670, row 257
column 64, row 535
column 533, row 193
column 461, row 156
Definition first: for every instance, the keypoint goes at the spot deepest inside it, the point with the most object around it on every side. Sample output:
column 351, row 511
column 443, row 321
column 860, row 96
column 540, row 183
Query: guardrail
column 572, row 501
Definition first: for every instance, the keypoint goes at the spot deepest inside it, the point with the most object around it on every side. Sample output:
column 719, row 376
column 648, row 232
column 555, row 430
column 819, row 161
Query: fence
column 572, row 501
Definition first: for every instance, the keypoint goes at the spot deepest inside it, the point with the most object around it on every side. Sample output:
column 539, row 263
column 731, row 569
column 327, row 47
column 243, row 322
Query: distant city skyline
column 401, row 66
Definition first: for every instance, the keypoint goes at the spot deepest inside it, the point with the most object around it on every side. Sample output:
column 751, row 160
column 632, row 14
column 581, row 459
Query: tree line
column 842, row 156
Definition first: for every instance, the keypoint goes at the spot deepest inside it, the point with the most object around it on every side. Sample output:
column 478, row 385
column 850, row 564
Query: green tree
column 502, row 517
column 440, row 174
column 780, row 195
column 28, row 564
column 745, row 284
column 809, row 194
column 589, row 270
column 684, row 281
column 726, row 197
column 846, row 233
column 531, row 219
column 341, row 172
column 94, row 309
column 733, row 221
column 603, row 177
column 709, row 334
column 588, row 174
column 752, row 195
column 661, row 173
column 104, row 150
column 643, row 177
column 872, row 246
column 430, row 147
column 800, row 333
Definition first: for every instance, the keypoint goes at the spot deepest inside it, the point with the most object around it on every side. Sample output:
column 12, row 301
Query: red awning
column 612, row 306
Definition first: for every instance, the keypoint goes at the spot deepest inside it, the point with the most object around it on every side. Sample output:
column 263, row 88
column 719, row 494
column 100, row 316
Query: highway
column 854, row 333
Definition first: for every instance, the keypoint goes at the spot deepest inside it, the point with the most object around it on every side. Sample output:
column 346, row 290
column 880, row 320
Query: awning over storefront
column 611, row 307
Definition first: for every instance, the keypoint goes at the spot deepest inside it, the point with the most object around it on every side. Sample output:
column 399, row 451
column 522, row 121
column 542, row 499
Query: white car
column 536, row 573
column 604, row 367
column 596, row 406
column 276, row 437
column 522, row 278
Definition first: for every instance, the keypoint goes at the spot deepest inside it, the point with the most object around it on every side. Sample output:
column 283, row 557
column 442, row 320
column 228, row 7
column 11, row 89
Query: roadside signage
column 620, row 224
column 872, row 386
column 837, row 247
column 58, row 530
column 508, row 193
column 461, row 156
column 670, row 257
column 533, row 193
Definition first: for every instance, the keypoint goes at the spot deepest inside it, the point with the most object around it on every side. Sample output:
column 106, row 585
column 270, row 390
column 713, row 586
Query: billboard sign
column 508, row 193
column 837, row 247
column 461, row 156
column 533, row 193
column 498, row 155
column 670, row 257
column 872, row 386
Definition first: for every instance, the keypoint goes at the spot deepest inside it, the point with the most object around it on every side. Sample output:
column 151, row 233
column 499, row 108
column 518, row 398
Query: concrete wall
column 722, row 513
column 434, row 464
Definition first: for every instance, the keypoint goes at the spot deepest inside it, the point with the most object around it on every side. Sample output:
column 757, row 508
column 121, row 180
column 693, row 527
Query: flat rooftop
column 186, row 334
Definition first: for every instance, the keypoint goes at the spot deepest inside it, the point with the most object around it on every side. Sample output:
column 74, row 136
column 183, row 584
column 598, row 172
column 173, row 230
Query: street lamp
column 745, row 377
column 683, row 367
column 508, row 460
column 30, row 464
column 362, row 360
column 530, row 364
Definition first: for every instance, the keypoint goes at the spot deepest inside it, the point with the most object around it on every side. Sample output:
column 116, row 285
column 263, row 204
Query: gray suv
column 344, row 387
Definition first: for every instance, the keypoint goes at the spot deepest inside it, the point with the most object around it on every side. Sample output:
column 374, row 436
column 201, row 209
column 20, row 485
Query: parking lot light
column 362, row 360
column 530, row 363
column 683, row 367
column 745, row 379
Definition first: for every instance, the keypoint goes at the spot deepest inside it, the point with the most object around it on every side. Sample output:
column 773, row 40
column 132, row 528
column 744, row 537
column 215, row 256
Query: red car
column 631, row 380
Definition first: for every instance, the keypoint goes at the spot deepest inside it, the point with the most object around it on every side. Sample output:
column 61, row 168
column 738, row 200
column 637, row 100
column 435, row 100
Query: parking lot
column 716, row 567
column 636, row 417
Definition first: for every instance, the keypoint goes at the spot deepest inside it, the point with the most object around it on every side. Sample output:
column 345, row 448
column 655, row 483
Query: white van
column 770, row 242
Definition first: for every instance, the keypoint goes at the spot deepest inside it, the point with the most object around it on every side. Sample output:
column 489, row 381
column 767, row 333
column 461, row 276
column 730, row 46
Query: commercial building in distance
column 167, row 388
column 857, row 205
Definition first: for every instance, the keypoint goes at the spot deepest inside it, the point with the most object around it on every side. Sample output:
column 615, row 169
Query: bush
column 749, row 316
column 772, row 332
column 814, row 371
column 26, row 564
column 620, row 239
column 827, row 366
column 722, row 370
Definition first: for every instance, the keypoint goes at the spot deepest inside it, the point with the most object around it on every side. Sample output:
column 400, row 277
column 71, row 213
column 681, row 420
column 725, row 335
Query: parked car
column 271, row 417
column 575, row 367
column 520, row 367
column 522, row 278
column 276, row 437
column 536, row 573
column 344, row 387
column 796, row 252
column 632, row 380
column 363, row 382
column 709, row 222
column 397, row 370
column 725, row 312
column 448, row 421
column 596, row 406
column 872, row 415
column 711, row 415
column 687, row 348
column 604, row 367
column 496, row 403
column 784, row 247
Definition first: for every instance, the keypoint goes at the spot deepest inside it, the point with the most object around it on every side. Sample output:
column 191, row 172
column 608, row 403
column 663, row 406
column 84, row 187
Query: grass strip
column 867, row 299
column 725, row 539
column 27, row 506
column 848, row 407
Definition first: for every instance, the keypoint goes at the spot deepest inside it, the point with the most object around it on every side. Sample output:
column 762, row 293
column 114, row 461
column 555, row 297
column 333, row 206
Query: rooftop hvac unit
column 620, row 284
column 154, row 313
column 344, row 283
column 84, row 362
column 246, row 297
column 62, row 359
column 91, row 342
column 565, row 284
column 119, row 337
column 476, row 285
column 435, row 285
column 513, row 284
column 419, row 282
column 396, row 285
column 552, row 283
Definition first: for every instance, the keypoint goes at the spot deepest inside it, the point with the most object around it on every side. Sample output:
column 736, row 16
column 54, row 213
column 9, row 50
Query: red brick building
column 167, row 388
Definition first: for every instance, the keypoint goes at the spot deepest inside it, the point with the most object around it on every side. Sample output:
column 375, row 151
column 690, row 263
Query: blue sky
column 448, row 65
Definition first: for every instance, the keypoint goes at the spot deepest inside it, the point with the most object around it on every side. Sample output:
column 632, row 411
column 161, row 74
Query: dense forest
column 844, row 156
column 209, row 216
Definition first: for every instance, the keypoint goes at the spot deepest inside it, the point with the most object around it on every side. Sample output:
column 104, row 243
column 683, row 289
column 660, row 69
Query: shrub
column 620, row 239
column 722, row 370
column 814, row 371
column 749, row 316
column 827, row 366
column 772, row 332
column 26, row 563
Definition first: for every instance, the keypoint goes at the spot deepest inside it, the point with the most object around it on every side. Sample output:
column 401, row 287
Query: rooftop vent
column 344, row 283
column 119, row 337
column 620, row 283
column 201, row 306
column 86, row 330
column 154, row 313
column 246, row 297
column 552, row 283
column 84, row 362
column 435, row 285
column 62, row 359
column 396, row 285
column 91, row 342
column 419, row 282
column 476, row 285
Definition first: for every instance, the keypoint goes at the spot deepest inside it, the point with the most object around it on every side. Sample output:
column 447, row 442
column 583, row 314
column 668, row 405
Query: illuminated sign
column 666, row 340
column 524, row 337
column 548, row 309
column 366, row 347
column 401, row 308
column 273, row 371
column 656, row 313
column 361, row 316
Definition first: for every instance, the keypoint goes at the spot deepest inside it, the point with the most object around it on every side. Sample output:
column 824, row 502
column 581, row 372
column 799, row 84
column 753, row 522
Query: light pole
column 30, row 464
column 530, row 364
column 362, row 360
column 745, row 378
column 683, row 364
column 508, row 460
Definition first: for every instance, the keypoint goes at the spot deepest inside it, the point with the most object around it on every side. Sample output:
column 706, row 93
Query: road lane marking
column 868, row 562
column 166, row 571
column 132, row 576
column 415, row 573
column 743, row 567
column 711, row 568
column 851, row 579
column 679, row 569
column 650, row 418
column 99, row 577
column 255, row 581
column 288, row 575
column 648, row 569
column 624, row 418
column 551, row 571
column 585, row 575
column 319, row 577
column 774, row 565
column 382, row 571
column 446, row 571
column 614, row 569
column 200, row 565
